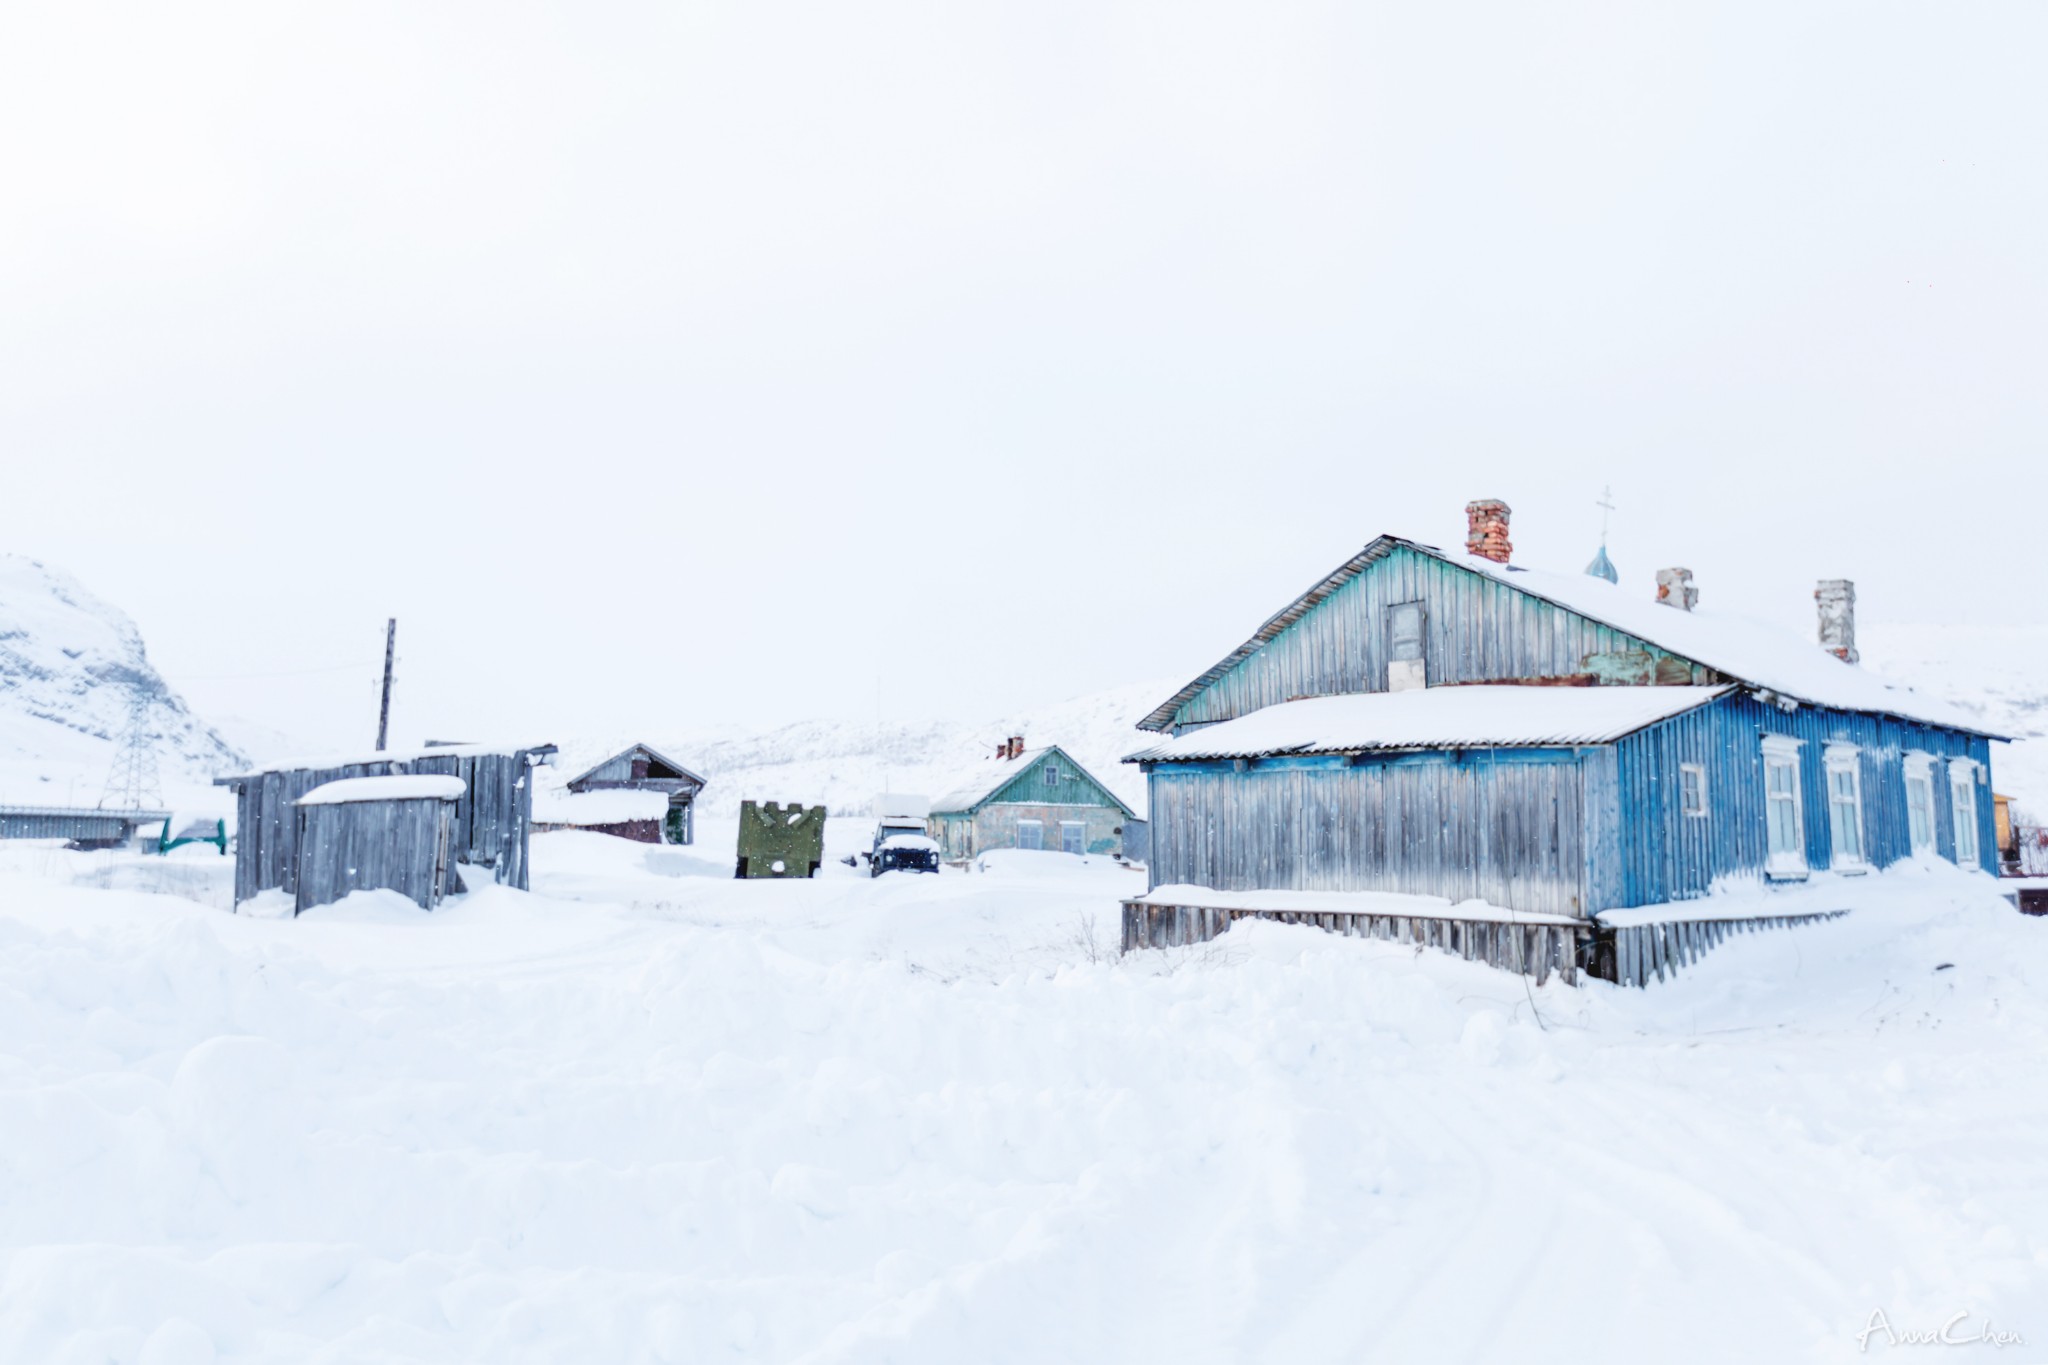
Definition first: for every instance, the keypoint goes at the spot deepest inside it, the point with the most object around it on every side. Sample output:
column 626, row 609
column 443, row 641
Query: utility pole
column 384, row 711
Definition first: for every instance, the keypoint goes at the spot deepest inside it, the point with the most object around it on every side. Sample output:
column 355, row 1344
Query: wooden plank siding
column 1665, row 855
column 1506, row 826
column 1536, row 950
column 1475, row 629
column 403, row 846
column 491, row 821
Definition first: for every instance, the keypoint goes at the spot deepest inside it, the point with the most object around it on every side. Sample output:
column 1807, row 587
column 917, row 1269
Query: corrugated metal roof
column 1475, row 717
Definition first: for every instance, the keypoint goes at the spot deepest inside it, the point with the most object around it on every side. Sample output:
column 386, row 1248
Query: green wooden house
column 1033, row 799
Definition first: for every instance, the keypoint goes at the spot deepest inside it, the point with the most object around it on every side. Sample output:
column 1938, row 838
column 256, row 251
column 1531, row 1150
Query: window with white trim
column 1692, row 789
column 1784, row 816
column 1920, row 802
column 1962, row 790
column 1845, row 807
column 1052, row 774
column 1073, row 836
column 1030, row 834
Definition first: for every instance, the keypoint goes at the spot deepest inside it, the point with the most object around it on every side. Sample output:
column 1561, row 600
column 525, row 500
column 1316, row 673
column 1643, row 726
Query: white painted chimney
column 1675, row 589
column 1836, row 598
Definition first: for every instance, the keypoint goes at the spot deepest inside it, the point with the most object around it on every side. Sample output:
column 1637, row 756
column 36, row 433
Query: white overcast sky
column 694, row 365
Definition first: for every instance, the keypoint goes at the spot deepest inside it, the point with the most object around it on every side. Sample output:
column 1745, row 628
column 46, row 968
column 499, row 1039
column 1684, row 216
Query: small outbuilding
column 377, row 833
column 638, row 769
column 1030, row 799
column 492, row 815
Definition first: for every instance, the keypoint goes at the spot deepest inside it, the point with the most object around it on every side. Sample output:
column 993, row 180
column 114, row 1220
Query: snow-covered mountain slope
column 846, row 763
column 1998, row 674
column 70, row 664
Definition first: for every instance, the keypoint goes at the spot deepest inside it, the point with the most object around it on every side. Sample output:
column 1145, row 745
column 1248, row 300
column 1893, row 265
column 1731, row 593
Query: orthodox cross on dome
column 1602, row 566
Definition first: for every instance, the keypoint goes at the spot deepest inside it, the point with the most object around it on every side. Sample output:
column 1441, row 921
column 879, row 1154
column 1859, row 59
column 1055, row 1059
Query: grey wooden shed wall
column 492, row 819
column 403, row 846
column 1506, row 826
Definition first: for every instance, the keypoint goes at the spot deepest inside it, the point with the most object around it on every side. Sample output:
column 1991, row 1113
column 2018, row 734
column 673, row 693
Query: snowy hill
column 1998, row 674
column 69, row 665
column 846, row 763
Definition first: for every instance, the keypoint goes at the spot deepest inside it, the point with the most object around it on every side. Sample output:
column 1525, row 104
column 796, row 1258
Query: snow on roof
column 400, row 787
column 1476, row 717
column 986, row 780
column 1751, row 652
column 608, row 806
column 360, row 758
column 652, row 754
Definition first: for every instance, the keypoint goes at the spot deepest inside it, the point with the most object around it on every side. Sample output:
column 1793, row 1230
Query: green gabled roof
column 1002, row 778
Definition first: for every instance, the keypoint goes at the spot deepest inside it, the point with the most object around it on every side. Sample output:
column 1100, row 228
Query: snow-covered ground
column 651, row 1113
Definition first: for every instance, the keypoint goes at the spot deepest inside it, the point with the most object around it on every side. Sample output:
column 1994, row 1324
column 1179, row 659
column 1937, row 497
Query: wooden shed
column 492, row 817
column 639, row 769
column 377, row 833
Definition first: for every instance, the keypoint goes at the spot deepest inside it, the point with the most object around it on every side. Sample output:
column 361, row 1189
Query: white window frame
column 1920, row 769
column 1037, row 828
column 1837, row 760
column 1783, row 751
column 1052, row 774
column 1962, row 796
column 1082, row 826
column 1698, row 772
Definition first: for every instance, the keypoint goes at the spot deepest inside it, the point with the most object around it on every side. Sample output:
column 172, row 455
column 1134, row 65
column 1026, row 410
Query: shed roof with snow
column 398, row 787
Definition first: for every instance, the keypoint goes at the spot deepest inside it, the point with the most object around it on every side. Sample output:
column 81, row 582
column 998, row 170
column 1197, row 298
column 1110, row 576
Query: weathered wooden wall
column 1505, row 826
column 1666, row 855
column 1535, row 950
column 1475, row 629
column 492, row 819
column 403, row 846
column 1636, row 954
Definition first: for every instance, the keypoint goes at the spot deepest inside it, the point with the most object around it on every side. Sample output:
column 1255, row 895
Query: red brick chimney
column 1486, row 529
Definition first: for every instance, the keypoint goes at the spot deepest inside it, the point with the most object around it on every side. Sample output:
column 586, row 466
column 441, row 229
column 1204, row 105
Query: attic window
column 1052, row 774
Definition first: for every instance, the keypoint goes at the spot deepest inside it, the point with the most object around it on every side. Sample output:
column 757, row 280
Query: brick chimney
column 1675, row 589
column 1486, row 529
column 1837, row 600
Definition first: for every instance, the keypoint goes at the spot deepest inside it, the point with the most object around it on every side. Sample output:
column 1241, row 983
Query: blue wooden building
column 1459, row 727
